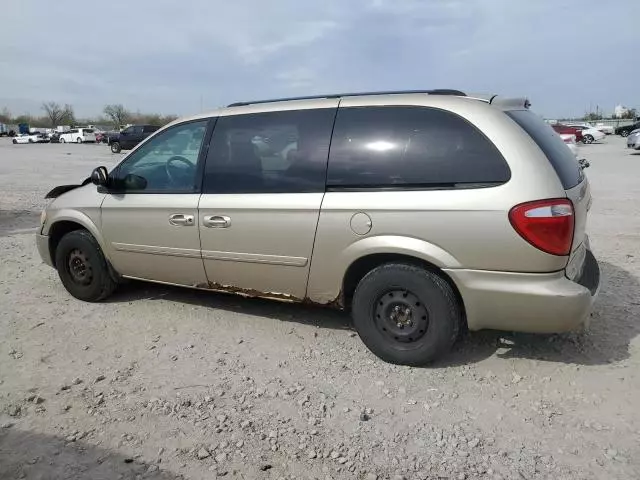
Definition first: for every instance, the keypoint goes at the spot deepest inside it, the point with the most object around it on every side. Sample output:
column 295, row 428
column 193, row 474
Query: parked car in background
column 130, row 137
column 627, row 129
column 606, row 129
column 633, row 140
column 30, row 138
column 432, row 212
column 590, row 134
column 55, row 137
column 570, row 141
column 564, row 129
column 78, row 135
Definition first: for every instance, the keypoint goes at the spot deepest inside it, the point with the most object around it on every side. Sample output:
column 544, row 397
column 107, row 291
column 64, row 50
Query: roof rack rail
column 437, row 91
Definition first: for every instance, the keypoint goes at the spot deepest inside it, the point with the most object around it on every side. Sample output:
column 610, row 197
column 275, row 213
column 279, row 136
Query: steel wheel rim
column 401, row 317
column 79, row 267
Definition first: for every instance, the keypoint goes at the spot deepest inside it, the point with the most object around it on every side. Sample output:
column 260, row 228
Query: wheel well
column 358, row 269
column 57, row 231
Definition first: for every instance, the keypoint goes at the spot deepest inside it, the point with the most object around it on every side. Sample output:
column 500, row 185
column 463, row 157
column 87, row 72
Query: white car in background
column 606, row 129
column 78, row 135
column 28, row 138
column 590, row 134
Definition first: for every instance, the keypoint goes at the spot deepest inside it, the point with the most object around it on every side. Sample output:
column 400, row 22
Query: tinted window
column 150, row 128
column 410, row 146
column 166, row 163
column 274, row 152
column 137, row 129
column 561, row 158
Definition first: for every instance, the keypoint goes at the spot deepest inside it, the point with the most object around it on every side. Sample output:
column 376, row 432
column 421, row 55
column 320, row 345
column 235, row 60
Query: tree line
column 55, row 114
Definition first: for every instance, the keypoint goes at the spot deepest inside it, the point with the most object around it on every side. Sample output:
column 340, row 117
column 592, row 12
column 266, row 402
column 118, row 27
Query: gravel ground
column 164, row 383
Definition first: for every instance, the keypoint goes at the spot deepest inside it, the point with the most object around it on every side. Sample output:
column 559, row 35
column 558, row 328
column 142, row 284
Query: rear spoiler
column 504, row 103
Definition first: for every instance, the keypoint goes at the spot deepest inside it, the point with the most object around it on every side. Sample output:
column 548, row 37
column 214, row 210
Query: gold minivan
column 421, row 212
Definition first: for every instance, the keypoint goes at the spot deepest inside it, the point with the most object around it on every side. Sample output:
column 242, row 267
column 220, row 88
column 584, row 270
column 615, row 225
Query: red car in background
column 564, row 129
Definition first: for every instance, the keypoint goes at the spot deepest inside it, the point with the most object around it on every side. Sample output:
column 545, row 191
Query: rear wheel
column 62, row 140
column 14, row 141
column 30, row 140
column 79, row 140
column 624, row 133
column 115, row 147
column 405, row 314
column 82, row 268
column 588, row 139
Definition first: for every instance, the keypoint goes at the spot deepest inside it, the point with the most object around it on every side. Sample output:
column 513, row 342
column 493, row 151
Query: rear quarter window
column 411, row 147
column 560, row 157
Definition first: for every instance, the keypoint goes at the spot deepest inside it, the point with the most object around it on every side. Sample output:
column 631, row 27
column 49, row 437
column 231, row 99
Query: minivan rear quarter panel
column 454, row 228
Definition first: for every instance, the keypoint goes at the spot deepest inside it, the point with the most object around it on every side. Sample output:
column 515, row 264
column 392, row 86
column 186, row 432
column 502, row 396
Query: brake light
column 545, row 224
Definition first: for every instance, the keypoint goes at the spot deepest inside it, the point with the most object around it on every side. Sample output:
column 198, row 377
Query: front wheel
column 405, row 314
column 62, row 140
column 30, row 140
column 588, row 139
column 82, row 267
column 624, row 133
column 78, row 140
column 15, row 142
column 115, row 147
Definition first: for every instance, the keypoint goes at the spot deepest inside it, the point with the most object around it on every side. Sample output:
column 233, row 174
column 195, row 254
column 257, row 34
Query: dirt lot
column 168, row 383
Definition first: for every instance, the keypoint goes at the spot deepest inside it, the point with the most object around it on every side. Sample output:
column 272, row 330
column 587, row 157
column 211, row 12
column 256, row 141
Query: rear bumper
column 42, row 242
column 528, row 302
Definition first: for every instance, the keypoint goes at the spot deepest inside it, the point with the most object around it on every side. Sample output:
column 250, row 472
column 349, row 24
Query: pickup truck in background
column 130, row 137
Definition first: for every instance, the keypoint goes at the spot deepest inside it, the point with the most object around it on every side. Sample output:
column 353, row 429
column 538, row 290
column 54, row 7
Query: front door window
column 166, row 163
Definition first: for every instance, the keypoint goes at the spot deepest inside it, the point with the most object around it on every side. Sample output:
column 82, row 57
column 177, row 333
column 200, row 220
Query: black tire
column 624, row 133
column 588, row 139
column 78, row 140
column 433, row 323
column 62, row 140
column 14, row 141
column 82, row 268
column 30, row 141
column 115, row 147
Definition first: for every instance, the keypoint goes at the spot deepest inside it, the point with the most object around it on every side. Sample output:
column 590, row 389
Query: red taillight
column 545, row 224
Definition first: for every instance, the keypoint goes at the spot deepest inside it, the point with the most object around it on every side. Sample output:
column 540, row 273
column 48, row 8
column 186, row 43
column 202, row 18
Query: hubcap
column 401, row 316
column 79, row 267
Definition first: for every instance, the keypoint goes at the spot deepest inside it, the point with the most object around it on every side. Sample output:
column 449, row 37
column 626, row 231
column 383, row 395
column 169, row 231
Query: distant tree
column 68, row 116
column 5, row 115
column 590, row 116
column 117, row 113
column 54, row 112
column 25, row 118
column 631, row 113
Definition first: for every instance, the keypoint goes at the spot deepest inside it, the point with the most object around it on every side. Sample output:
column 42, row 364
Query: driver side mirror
column 100, row 176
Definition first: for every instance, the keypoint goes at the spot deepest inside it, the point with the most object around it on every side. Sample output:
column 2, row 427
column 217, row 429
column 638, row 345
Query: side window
column 150, row 128
column 273, row 152
column 165, row 163
column 410, row 146
column 128, row 131
column 137, row 130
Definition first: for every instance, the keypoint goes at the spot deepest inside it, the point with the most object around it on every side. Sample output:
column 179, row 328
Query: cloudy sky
column 180, row 56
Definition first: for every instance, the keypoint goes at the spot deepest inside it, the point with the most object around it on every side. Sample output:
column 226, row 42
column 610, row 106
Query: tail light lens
column 545, row 224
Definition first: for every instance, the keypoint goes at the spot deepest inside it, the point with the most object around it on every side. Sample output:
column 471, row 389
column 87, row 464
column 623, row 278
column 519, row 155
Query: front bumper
column 528, row 302
column 42, row 242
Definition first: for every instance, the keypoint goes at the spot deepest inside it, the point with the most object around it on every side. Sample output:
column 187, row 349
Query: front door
column 263, row 188
column 149, row 216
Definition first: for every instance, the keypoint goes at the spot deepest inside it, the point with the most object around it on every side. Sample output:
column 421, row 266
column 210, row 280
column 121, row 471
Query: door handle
column 181, row 220
column 216, row 221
